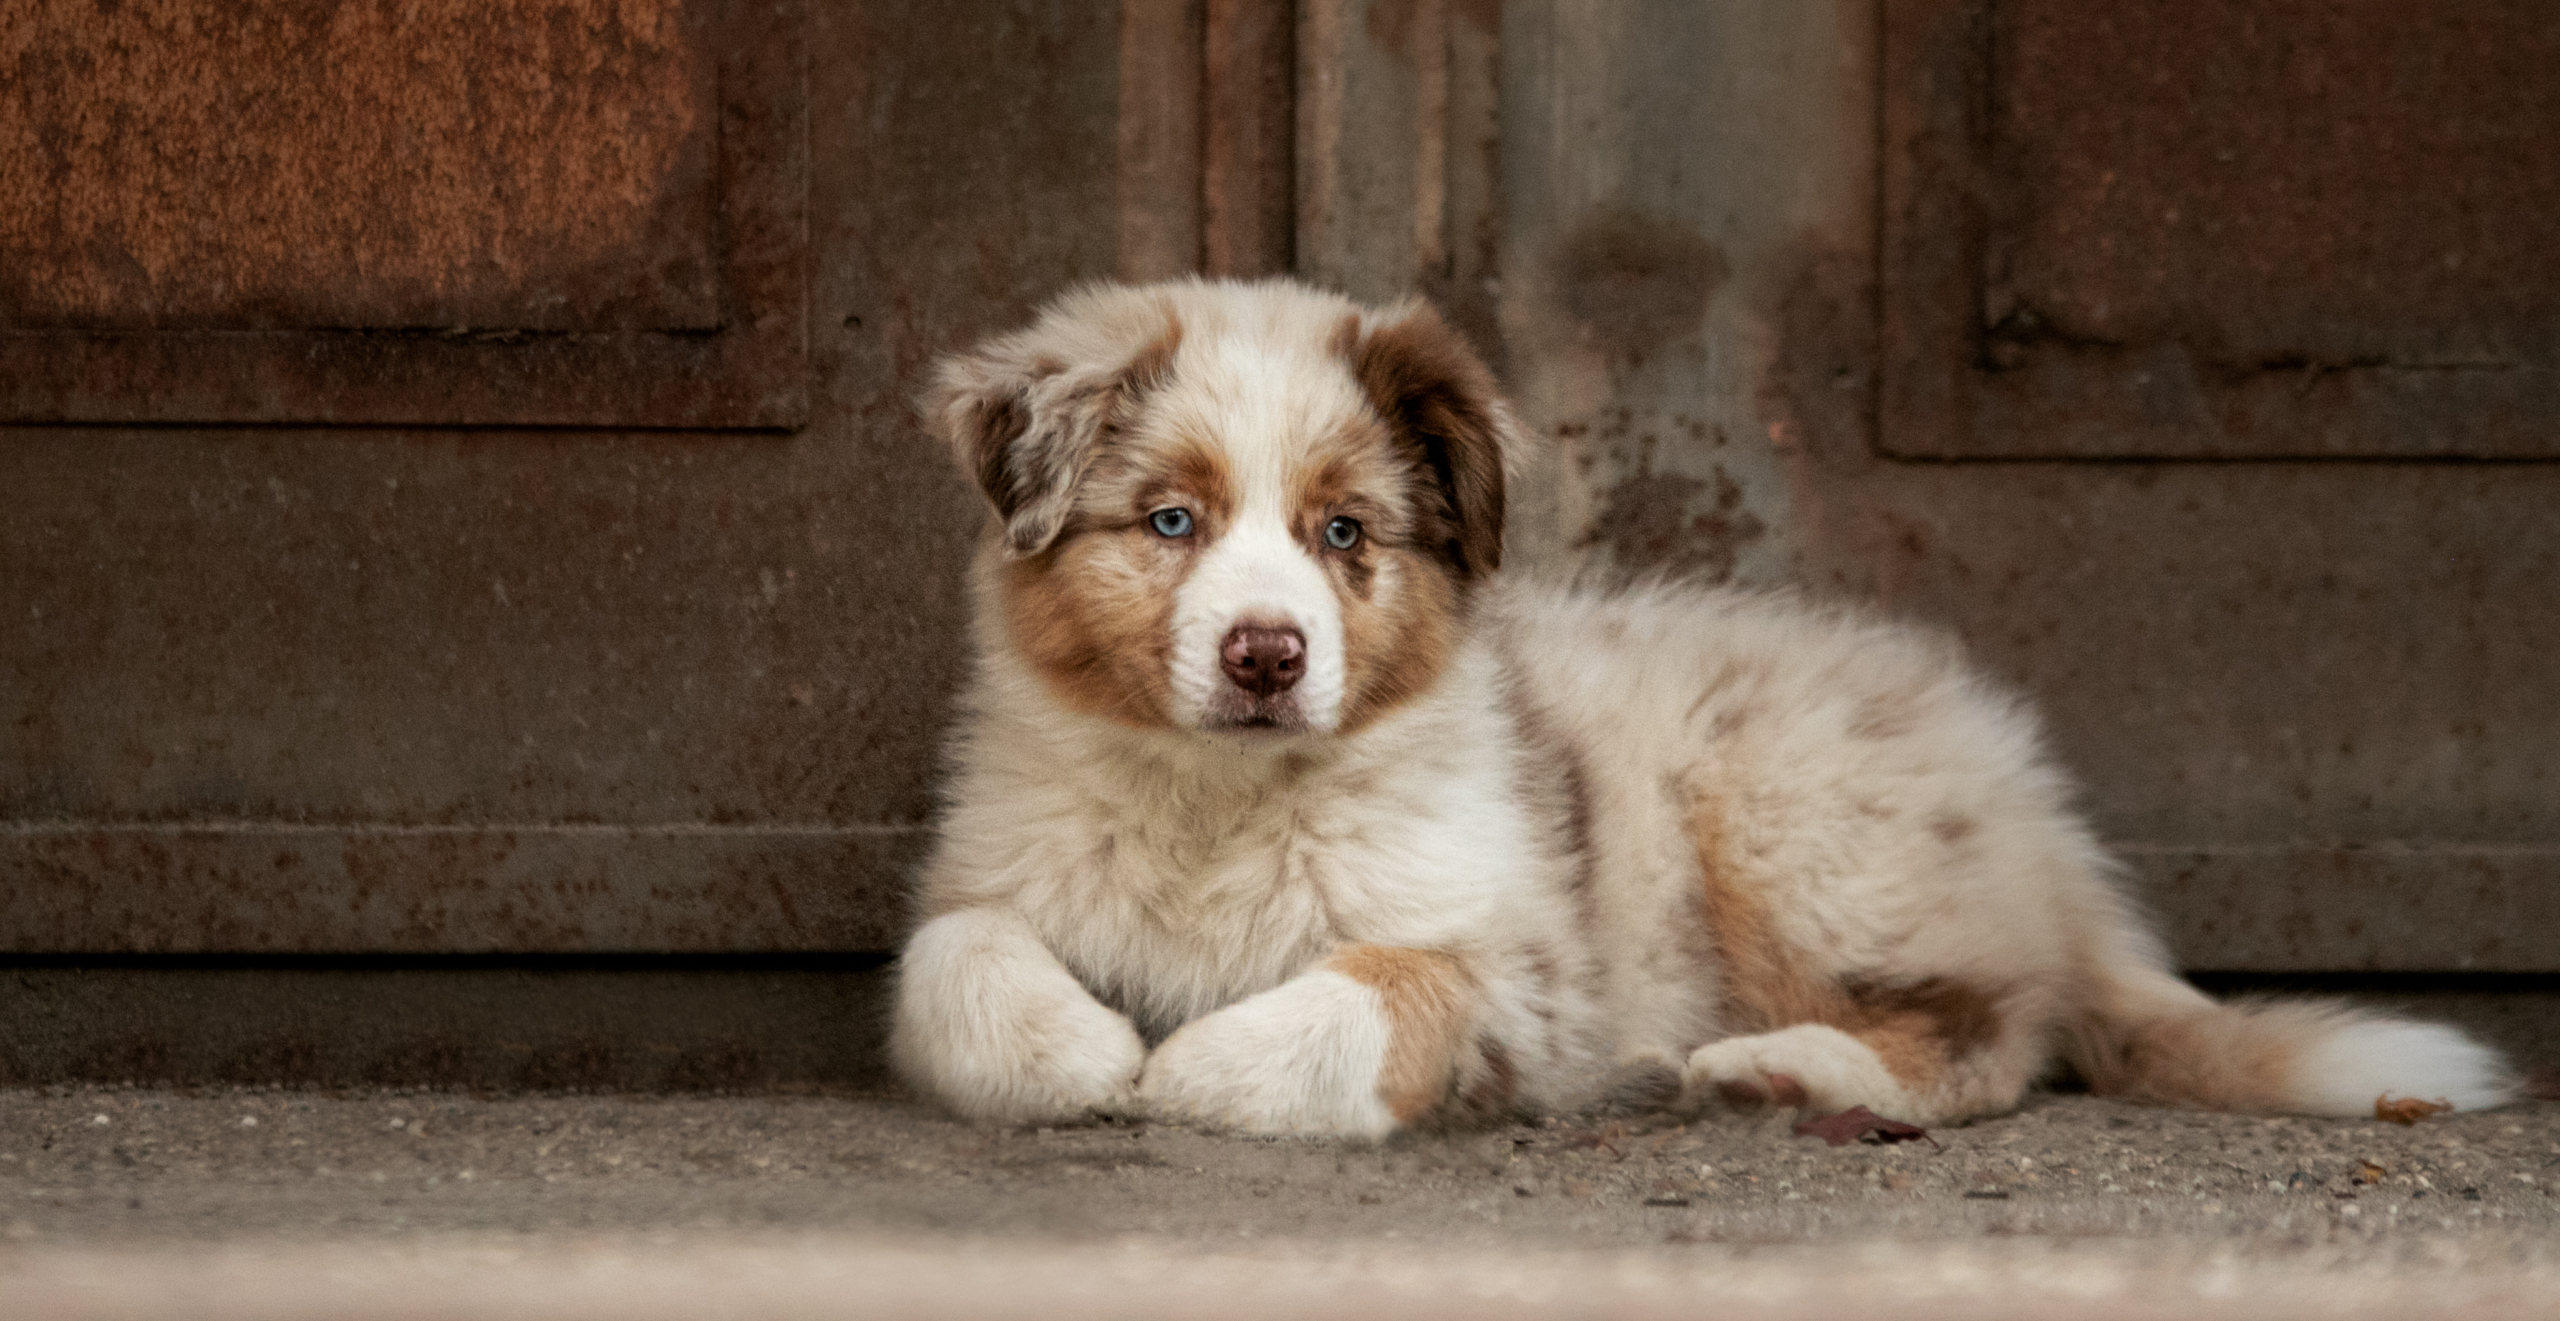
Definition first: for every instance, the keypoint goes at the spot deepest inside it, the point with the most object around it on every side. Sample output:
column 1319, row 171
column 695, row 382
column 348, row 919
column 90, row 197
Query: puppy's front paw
column 992, row 1025
column 1066, row 1060
column 1807, row 1067
column 1302, row 1058
column 1089, row 1066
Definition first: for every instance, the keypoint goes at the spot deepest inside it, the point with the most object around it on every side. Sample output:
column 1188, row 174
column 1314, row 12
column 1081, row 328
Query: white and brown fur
column 1503, row 845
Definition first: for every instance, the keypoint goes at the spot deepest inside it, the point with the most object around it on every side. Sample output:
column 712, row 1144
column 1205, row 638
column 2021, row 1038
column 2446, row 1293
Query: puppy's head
column 1231, row 508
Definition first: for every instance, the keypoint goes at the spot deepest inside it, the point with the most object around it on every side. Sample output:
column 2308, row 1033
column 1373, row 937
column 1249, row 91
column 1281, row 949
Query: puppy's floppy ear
column 1445, row 409
column 1024, row 423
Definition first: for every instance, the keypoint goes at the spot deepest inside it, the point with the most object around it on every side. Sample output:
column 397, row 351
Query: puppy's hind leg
column 1928, row 1053
column 989, row 1022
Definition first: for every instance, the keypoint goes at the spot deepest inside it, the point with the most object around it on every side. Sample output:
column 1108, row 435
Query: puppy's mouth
column 1242, row 713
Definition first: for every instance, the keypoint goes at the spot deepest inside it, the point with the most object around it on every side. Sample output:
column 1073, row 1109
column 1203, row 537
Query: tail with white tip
column 2143, row 1032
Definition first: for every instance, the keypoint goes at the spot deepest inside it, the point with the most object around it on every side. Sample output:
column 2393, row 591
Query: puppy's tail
column 2142, row 1032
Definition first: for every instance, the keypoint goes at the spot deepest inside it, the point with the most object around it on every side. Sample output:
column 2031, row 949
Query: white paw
column 1300, row 1058
column 1807, row 1067
column 1084, row 1060
column 1061, row 1059
column 988, row 1022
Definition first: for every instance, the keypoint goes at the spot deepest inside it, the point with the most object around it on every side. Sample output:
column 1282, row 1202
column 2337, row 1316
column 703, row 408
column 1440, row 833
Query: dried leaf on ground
column 1859, row 1124
column 2406, row 1110
column 1606, row 1139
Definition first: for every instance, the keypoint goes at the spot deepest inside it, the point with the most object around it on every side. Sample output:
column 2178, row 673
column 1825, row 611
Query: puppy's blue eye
column 1342, row 533
column 1170, row 522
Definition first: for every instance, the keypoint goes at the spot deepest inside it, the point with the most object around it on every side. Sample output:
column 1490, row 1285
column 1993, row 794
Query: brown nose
column 1263, row 660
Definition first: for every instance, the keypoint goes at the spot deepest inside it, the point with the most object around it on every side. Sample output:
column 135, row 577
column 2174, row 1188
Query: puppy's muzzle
column 1262, row 659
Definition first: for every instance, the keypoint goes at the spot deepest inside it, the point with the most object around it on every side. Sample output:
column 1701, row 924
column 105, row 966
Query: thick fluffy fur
column 1501, row 846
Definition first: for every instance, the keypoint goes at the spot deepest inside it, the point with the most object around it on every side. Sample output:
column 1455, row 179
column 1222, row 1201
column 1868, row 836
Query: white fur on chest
column 1175, row 877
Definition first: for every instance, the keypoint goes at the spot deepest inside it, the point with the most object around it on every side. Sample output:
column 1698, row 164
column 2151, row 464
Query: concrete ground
column 128, row 1202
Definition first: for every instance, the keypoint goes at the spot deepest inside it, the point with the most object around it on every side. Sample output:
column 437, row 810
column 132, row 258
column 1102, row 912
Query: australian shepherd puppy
column 1273, row 807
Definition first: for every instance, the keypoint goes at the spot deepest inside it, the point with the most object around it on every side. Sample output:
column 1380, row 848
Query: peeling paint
column 1664, row 522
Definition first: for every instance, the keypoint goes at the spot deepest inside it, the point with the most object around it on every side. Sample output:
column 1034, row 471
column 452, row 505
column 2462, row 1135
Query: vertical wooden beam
column 1249, row 75
column 1160, row 138
column 1428, row 50
column 1346, row 141
column 1471, row 222
column 1373, row 145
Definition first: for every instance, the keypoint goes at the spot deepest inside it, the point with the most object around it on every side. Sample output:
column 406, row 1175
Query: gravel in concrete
column 114, row 1200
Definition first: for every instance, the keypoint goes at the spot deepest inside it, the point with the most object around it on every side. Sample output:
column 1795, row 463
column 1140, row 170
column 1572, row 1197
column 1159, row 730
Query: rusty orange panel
column 522, row 164
column 581, row 213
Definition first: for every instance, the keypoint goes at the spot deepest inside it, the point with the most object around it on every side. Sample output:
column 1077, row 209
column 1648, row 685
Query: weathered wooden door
column 2196, row 362
column 457, row 484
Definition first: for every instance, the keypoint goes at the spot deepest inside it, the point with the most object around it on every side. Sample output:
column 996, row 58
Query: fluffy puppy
column 1273, row 807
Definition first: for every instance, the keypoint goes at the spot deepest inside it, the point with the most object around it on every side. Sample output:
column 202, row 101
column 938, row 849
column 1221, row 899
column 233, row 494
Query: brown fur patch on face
column 1918, row 1028
column 1399, row 598
column 1396, row 642
column 1442, row 406
column 1134, row 478
column 1341, row 481
column 1427, row 995
column 1093, row 617
column 1094, row 614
